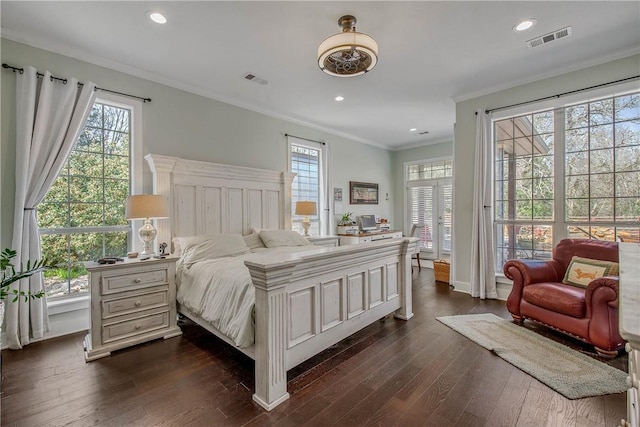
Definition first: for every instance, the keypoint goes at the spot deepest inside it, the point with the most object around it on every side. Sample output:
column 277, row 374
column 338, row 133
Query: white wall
column 183, row 124
column 465, row 134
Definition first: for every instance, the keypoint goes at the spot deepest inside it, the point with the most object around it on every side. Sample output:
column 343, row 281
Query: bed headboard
column 210, row 198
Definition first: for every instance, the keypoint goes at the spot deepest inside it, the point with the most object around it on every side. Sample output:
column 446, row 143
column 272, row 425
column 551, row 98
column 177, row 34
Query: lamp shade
column 145, row 206
column 306, row 208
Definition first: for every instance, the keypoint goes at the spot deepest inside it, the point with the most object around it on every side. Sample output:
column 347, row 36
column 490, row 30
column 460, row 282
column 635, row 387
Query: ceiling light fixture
column 157, row 17
column 339, row 98
column 525, row 24
column 348, row 53
column 413, row 130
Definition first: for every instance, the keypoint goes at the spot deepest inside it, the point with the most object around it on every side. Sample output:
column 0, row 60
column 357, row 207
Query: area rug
column 570, row 373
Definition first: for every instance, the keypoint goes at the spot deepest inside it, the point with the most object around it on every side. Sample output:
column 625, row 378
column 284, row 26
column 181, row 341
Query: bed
column 305, row 301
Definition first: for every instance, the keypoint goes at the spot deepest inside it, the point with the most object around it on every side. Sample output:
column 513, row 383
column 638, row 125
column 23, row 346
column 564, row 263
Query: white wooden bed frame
column 305, row 303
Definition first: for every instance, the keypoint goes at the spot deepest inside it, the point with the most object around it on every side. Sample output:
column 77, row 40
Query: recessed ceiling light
column 525, row 24
column 339, row 98
column 157, row 17
column 413, row 130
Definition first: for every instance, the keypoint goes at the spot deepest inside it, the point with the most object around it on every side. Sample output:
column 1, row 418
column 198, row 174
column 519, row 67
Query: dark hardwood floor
column 393, row 372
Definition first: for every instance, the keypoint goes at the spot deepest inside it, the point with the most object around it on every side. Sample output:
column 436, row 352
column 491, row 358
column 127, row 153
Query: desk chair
column 416, row 231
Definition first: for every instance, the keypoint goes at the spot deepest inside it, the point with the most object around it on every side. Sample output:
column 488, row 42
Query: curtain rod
column 63, row 80
column 306, row 139
column 560, row 94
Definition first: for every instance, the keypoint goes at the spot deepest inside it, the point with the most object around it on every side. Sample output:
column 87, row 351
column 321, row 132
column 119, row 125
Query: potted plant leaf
column 10, row 275
column 346, row 223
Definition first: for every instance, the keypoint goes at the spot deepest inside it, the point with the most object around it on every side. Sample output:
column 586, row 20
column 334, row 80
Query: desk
column 354, row 239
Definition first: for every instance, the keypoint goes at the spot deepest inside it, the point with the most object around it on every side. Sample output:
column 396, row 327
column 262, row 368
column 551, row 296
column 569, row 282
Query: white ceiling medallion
column 348, row 53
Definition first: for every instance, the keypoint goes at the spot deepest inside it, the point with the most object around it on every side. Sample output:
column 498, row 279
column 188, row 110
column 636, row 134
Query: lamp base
column 306, row 223
column 147, row 234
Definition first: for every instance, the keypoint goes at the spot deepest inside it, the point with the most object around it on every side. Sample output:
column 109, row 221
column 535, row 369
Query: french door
column 430, row 203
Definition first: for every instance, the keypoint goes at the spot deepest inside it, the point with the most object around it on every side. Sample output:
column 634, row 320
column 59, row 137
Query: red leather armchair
column 589, row 314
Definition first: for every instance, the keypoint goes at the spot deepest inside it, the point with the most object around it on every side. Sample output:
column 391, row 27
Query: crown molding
column 541, row 76
column 423, row 143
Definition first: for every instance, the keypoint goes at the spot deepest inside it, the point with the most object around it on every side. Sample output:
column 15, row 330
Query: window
column 572, row 172
column 82, row 217
column 430, row 170
column 429, row 198
column 306, row 161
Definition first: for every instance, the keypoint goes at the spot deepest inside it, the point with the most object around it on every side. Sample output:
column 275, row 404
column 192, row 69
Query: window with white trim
column 572, row 172
column 82, row 217
column 429, row 197
column 306, row 161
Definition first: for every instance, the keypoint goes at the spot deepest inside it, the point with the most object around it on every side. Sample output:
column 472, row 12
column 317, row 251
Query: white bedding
column 220, row 292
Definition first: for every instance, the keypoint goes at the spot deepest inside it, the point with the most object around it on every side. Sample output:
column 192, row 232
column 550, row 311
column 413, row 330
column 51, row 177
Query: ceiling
column 431, row 53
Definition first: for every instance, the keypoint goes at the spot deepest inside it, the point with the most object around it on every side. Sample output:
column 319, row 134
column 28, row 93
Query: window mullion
column 559, row 199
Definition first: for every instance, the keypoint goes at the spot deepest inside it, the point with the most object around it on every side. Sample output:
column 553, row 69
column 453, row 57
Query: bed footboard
column 305, row 303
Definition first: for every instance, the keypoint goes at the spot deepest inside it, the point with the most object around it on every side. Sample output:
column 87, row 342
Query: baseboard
column 464, row 287
column 65, row 323
column 503, row 289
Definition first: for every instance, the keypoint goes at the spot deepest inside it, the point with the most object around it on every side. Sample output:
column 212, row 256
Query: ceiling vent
column 255, row 79
column 547, row 38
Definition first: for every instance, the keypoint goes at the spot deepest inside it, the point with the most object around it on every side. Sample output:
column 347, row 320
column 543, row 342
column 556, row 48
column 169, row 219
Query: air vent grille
column 255, row 79
column 547, row 38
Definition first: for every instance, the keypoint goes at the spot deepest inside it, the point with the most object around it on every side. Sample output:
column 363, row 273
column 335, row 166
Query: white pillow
column 179, row 243
column 253, row 241
column 212, row 246
column 276, row 238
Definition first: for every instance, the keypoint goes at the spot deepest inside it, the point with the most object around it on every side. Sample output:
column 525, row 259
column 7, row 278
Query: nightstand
column 131, row 302
column 330, row 241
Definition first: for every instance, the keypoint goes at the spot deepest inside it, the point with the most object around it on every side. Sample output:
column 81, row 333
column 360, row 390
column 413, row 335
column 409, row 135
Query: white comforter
column 220, row 292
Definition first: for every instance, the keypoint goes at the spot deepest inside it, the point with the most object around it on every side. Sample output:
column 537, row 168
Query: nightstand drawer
column 133, row 279
column 129, row 328
column 120, row 306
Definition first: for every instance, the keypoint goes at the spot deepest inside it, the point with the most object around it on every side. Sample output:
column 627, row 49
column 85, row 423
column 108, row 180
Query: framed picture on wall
column 337, row 194
column 363, row 193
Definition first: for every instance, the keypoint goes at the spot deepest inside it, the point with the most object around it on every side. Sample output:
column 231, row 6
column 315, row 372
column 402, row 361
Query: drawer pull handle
column 138, row 325
column 138, row 303
column 137, row 281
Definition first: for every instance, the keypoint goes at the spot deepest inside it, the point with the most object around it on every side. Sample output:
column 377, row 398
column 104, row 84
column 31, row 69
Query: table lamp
column 147, row 207
column 306, row 209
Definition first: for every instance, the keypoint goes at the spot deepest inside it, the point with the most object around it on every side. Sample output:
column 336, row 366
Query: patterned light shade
column 349, row 53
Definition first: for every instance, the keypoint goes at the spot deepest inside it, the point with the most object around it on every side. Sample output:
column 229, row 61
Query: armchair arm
column 601, row 292
column 527, row 271
column 523, row 272
column 601, row 299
